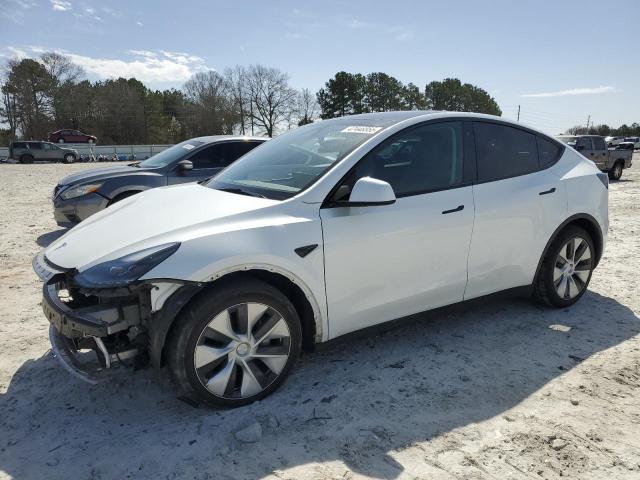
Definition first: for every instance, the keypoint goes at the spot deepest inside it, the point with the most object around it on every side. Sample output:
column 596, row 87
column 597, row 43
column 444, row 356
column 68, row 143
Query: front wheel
column 616, row 172
column 69, row 158
column 61, row 140
column 234, row 345
column 566, row 269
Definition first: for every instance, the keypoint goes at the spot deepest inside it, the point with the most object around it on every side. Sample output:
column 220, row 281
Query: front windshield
column 171, row 154
column 286, row 165
column 569, row 140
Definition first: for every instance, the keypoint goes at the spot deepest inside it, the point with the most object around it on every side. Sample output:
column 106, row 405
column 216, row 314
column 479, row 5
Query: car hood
column 99, row 174
column 154, row 217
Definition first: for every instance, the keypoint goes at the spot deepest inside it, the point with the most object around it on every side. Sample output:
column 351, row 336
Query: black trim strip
column 547, row 192
column 305, row 250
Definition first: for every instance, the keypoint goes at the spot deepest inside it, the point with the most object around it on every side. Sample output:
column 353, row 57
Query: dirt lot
column 491, row 391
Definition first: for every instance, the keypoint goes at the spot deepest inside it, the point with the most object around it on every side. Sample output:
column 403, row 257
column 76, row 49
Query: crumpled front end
column 91, row 331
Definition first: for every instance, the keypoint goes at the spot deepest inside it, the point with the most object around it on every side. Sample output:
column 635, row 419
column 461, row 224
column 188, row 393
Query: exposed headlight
column 125, row 270
column 80, row 190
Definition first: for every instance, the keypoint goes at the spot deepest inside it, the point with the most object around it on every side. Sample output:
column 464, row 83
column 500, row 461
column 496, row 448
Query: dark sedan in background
column 79, row 196
column 71, row 136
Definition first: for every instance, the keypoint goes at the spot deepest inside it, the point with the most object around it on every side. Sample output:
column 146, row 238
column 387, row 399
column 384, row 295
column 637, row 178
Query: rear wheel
column 616, row 172
column 61, row 140
column 26, row 159
column 90, row 140
column 566, row 269
column 235, row 345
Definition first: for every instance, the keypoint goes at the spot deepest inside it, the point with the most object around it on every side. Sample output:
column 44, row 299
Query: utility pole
column 588, row 120
column 518, row 113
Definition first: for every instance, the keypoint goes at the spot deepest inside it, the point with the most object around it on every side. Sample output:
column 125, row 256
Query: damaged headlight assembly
column 125, row 270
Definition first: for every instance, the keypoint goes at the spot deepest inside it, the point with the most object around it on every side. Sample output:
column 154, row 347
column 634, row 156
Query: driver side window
column 423, row 159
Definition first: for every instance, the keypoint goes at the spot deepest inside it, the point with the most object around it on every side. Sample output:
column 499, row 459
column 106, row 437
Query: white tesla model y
column 330, row 228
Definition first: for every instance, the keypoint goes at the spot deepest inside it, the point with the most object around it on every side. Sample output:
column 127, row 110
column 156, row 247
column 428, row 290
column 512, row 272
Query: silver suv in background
column 594, row 147
column 28, row 152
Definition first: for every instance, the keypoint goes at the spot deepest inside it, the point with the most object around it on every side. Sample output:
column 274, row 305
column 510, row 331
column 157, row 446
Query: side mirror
column 368, row 192
column 184, row 165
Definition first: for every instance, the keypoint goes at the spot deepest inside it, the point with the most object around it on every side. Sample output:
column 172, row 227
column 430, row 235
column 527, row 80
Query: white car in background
column 613, row 141
column 330, row 228
column 634, row 140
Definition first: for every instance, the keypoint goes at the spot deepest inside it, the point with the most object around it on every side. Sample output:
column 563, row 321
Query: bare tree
column 307, row 108
column 272, row 99
column 61, row 68
column 214, row 107
column 236, row 79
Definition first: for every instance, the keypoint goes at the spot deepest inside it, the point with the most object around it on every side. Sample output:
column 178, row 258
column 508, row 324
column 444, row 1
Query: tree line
column 51, row 92
column 604, row 130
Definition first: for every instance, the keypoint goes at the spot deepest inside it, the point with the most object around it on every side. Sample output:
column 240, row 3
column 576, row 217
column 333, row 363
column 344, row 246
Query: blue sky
column 560, row 60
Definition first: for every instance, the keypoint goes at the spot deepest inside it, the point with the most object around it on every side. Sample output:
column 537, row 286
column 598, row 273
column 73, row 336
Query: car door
column 600, row 152
column 51, row 152
column 585, row 146
column 519, row 202
column 38, row 151
column 388, row 261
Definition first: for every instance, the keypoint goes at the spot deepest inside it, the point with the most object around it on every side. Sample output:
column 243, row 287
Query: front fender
column 171, row 299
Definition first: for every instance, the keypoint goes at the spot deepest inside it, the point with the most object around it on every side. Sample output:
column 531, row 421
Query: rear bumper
column 68, row 213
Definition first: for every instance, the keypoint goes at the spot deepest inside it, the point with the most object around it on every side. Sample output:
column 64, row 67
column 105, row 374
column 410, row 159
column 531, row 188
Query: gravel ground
column 500, row 390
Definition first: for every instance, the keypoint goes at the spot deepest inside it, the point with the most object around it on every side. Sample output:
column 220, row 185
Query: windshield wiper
column 240, row 191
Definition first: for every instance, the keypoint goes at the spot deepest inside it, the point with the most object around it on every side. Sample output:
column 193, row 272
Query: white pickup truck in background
column 611, row 160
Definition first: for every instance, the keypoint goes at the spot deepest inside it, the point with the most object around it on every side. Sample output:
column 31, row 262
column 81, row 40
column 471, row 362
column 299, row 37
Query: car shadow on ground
column 48, row 238
column 354, row 402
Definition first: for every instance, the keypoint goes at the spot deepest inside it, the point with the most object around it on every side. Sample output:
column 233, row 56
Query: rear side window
column 35, row 146
column 584, row 143
column 504, row 151
column 221, row 155
column 548, row 152
column 598, row 143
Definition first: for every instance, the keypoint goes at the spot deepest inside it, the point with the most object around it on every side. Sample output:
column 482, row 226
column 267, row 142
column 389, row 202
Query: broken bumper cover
column 66, row 353
column 89, row 339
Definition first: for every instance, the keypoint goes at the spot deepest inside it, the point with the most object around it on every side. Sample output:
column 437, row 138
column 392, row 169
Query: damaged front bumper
column 91, row 332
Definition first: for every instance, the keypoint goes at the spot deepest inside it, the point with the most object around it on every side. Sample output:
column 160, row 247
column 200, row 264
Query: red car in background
column 71, row 136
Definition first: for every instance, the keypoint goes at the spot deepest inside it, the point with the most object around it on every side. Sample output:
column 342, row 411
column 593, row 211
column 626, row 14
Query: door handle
column 546, row 192
column 457, row 209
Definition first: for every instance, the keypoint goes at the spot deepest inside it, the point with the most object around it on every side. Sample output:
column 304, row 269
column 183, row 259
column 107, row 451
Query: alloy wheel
column 242, row 350
column 572, row 268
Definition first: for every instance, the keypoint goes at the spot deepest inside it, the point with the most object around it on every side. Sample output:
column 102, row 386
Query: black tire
column 545, row 288
column 26, row 159
column 122, row 196
column 69, row 158
column 616, row 172
column 193, row 320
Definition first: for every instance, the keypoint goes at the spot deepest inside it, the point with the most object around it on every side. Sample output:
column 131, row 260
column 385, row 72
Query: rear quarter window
column 504, row 151
column 598, row 143
column 548, row 152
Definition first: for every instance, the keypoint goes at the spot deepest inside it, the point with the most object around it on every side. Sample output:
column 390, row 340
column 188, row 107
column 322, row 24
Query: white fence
column 140, row 151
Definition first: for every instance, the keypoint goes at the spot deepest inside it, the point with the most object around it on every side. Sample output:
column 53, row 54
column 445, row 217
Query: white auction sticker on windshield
column 188, row 146
column 361, row 129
